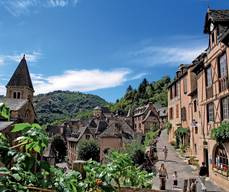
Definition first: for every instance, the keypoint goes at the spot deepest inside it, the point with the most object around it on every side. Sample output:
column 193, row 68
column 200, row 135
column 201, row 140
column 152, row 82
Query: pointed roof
column 21, row 76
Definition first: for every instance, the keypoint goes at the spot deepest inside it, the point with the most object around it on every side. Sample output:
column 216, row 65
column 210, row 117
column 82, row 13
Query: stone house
column 207, row 98
column 84, row 133
column 145, row 118
column 116, row 136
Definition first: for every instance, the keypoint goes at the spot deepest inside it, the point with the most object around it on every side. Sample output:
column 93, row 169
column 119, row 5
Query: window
column 195, row 106
column 177, row 111
column 87, row 137
column 221, row 160
column 178, row 88
column 185, row 85
column 183, row 114
column 17, row 95
column 210, row 112
column 213, row 38
column 195, row 148
column 225, row 108
column 208, row 77
column 171, row 93
column 171, row 113
column 196, row 130
column 223, row 66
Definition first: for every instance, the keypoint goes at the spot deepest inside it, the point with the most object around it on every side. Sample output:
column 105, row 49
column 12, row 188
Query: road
column 175, row 163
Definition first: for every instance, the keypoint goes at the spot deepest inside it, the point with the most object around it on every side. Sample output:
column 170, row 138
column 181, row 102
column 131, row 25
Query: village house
column 145, row 118
column 198, row 98
column 163, row 115
column 116, row 136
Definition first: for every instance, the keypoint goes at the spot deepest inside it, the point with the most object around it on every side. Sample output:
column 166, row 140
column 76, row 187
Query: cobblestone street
column 175, row 163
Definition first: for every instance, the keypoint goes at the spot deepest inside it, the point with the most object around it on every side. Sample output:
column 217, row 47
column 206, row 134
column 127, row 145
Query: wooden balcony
column 223, row 83
column 209, row 92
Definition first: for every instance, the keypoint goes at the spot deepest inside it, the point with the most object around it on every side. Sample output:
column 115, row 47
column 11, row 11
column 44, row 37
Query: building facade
column 145, row 118
column 206, row 99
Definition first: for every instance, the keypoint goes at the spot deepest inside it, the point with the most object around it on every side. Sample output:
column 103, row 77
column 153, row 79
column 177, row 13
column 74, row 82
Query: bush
column 221, row 133
column 88, row 149
column 168, row 126
column 150, row 137
column 136, row 152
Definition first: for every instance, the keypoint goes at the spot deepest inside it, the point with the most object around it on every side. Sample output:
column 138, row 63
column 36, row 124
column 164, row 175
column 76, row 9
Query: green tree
column 59, row 147
column 88, row 149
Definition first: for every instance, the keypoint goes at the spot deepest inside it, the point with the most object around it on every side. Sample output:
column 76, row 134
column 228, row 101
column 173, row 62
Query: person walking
column 203, row 172
column 163, row 175
column 165, row 150
column 175, row 180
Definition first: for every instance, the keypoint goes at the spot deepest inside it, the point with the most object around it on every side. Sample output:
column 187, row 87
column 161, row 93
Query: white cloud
column 20, row 7
column 180, row 50
column 80, row 80
column 30, row 56
column 2, row 90
column 1, row 61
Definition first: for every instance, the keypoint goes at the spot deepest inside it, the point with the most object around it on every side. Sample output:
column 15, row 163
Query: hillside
column 57, row 106
column 155, row 92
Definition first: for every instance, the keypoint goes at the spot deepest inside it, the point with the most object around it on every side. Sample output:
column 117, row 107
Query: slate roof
column 102, row 125
column 5, row 124
column 118, row 129
column 78, row 135
column 14, row 104
column 21, row 76
column 215, row 16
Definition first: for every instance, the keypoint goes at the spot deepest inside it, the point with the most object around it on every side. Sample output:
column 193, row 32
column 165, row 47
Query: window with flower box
column 221, row 160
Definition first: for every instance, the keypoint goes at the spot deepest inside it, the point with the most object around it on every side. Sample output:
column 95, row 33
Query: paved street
column 174, row 163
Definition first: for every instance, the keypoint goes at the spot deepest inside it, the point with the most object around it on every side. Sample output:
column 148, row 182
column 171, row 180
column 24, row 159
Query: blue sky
column 100, row 46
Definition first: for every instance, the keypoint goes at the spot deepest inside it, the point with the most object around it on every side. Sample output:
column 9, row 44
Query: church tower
column 20, row 85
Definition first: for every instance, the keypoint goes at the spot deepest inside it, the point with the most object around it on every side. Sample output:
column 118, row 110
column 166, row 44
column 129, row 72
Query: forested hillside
column 57, row 106
column 155, row 92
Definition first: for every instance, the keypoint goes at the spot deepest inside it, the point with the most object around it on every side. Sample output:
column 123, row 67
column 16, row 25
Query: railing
column 209, row 92
column 223, row 83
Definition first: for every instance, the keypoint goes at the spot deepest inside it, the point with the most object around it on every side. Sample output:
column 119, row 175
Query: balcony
column 209, row 92
column 223, row 83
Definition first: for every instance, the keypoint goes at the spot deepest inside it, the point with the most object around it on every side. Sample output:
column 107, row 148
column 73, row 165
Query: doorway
column 206, row 161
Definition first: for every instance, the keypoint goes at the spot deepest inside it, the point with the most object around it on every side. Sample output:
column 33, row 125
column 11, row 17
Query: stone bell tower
column 20, row 85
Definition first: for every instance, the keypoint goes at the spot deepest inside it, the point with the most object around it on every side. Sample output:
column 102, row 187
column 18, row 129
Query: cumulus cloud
column 20, row 7
column 183, row 49
column 80, row 80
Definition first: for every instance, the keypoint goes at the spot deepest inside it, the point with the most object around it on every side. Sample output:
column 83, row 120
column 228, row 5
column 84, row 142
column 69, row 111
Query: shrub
column 150, row 137
column 168, row 126
column 88, row 149
column 221, row 133
column 136, row 152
